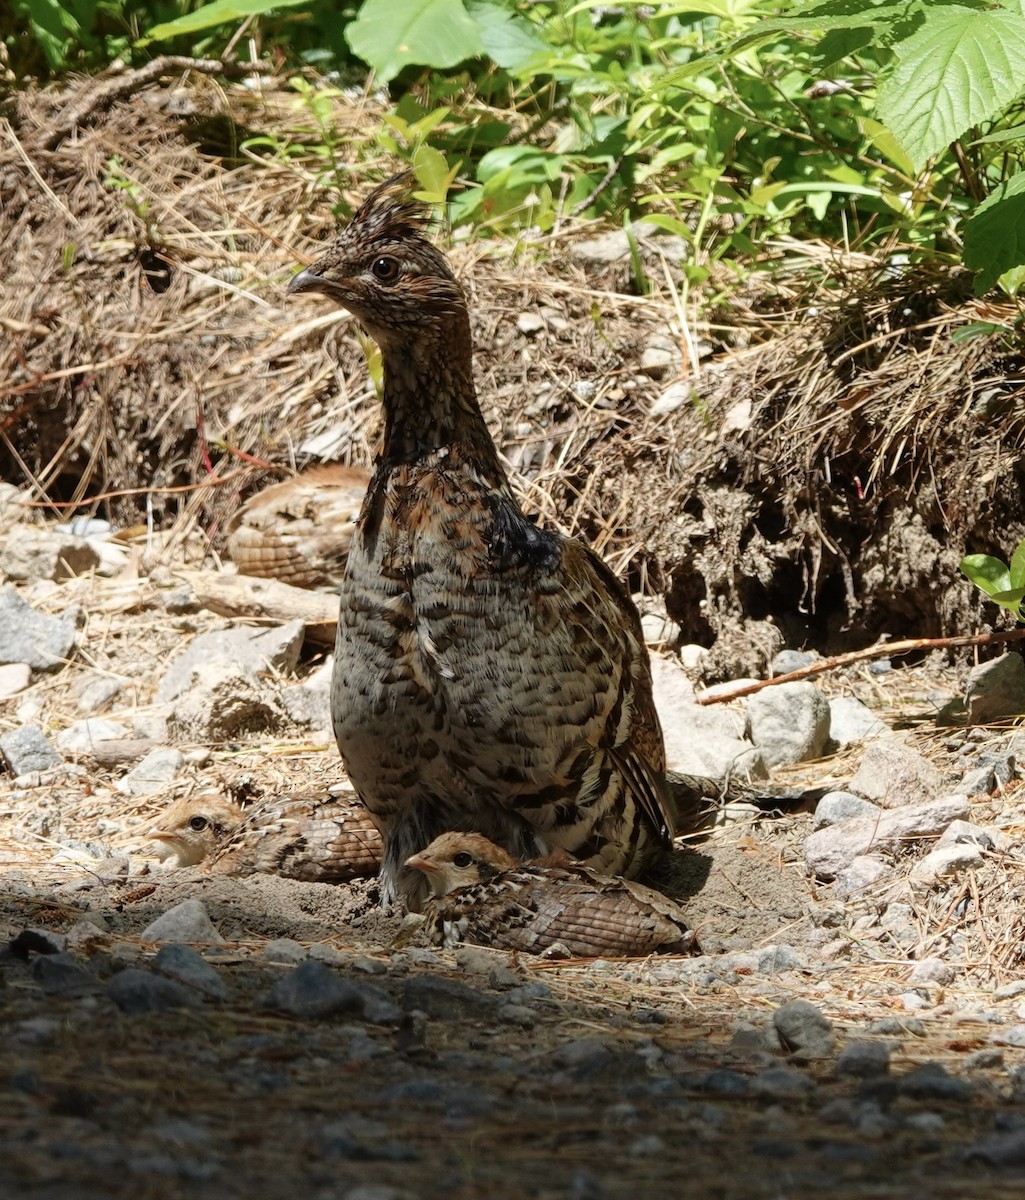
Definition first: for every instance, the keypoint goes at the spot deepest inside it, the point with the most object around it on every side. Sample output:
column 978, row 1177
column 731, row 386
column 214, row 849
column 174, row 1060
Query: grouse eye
column 462, row 859
column 385, row 270
column 198, row 824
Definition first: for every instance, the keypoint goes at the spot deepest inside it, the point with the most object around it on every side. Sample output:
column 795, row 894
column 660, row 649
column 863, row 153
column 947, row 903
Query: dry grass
column 838, row 455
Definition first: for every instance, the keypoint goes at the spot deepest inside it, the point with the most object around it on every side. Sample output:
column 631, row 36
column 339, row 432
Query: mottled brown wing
column 299, row 531
column 533, row 909
column 314, row 839
column 638, row 750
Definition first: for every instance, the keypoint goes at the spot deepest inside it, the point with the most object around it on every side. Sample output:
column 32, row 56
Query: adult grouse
column 490, row 676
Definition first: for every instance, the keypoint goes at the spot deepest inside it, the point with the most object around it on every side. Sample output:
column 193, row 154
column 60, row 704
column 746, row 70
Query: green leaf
column 1011, row 600
column 391, row 34
column 994, row 235
column 221, row 12
column 977, row 329
column 508, row 38
column 987, row 573
column 1018, row 566
column 959, row 68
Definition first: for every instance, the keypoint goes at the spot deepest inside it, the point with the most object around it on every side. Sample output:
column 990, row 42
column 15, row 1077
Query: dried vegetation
column 827, row 462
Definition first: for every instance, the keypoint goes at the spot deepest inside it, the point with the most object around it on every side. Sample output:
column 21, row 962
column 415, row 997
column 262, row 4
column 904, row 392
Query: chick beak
column 421, row 862
column 160, row 835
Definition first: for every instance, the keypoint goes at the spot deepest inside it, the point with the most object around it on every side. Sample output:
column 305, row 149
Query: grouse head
column 458, row 860
column 384, row 270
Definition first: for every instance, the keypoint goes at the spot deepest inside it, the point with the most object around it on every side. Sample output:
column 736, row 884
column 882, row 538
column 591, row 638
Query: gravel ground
column 305, row 1041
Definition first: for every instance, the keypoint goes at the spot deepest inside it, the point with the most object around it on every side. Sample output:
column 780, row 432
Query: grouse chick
column 299, row 530
column 315, row 838
column 481, row 895
column 489, row 675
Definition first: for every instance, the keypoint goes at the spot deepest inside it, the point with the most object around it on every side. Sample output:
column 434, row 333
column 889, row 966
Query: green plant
column 1003, row 583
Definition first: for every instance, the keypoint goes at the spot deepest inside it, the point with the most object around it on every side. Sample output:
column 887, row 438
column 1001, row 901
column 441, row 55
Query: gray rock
column 851, row 721
column 931, row 970
column 29, row 552
column 835, row 807
column 996, row 689
column 803, row 1030
column 782, row 1083
column 931, row 1081
column 788, row 723
column 186, row 922
column 243, row 648
column 188, row 967
column 1003, row 762
column 724, row 1082
column 659, row 630
column 62, row 975
column 979, row 782
column 443, row 998
column 864, row 871
column 983, row 836
column 786, row 661
column 285, row 950
column 153, row 772
column 14, row 678
column 97, row 695
column 82, row 736
column 313, row 990
column 828, row 851
column 701, row 740
column 947, row 862
column 224, row 703
column 136, row 991
column 999, row 1150
column 309, row 702
column 1013, row 1035
column 27, row 749
column 659, row 357
column 27, row 636
column 864, row 1059
column 894, row 774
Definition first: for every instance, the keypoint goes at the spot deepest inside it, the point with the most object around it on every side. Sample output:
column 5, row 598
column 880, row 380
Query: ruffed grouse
column 299, row 530
column 315, row 838
column 481, row 895
column 489, row 675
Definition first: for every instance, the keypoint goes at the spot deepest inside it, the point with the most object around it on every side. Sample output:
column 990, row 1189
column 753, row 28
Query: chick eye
column 462, row 859
column 386, row 270
column 198, row 824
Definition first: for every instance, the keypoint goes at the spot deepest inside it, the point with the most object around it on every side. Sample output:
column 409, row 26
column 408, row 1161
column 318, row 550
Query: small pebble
column 313, row 990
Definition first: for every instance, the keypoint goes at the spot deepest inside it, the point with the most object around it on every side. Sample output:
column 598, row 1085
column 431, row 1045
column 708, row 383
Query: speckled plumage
column 316, row 838
column 489, row 675
column 481, row 895
column 299, row 530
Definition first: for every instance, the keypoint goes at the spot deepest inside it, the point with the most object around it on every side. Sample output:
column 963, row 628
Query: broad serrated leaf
column 221, row 12
column 994, row 235
column 508, row 38
column 986, row 572
column 959, row 68
column 392, row 34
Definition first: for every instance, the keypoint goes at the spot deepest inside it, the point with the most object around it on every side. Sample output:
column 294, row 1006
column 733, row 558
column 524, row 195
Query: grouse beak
column 160, row 835
column 305, row 281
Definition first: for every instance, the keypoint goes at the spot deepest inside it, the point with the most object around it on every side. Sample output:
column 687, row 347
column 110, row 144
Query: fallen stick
column 265, row 600
column 879, row 650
